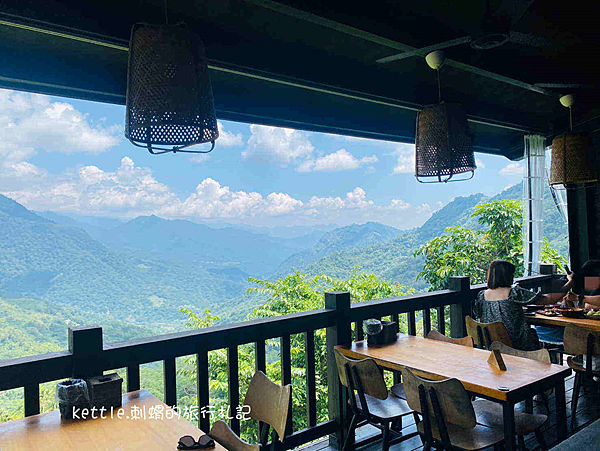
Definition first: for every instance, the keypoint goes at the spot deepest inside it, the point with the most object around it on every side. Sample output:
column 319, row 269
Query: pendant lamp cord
column 166, row 15
column 571, row 118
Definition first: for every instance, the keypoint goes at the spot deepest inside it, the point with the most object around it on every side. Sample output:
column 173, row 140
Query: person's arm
column 555, row 298
column 591, row 301
column 551, row 298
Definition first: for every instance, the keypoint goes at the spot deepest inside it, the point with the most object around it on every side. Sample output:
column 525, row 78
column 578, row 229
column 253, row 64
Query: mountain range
column 135, row 275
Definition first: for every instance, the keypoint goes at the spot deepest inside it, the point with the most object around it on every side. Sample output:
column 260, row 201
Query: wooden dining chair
column 465, row 341
column 222, row 433
column 448, row 420
column 581, row 341
column 541, row 355
column 484, row 334
column 490, row 413
column 269, row 403
column 370, row 400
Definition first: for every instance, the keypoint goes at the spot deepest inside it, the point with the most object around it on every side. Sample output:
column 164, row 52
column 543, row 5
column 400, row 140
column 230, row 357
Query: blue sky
column 70, row 156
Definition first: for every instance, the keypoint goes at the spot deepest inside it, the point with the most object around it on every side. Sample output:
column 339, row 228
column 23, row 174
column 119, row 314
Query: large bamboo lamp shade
column 169, row 95
column 443, row 143
column 573, row 156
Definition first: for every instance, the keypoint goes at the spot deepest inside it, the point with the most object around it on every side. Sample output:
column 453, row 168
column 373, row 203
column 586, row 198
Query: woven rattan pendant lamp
column 169, row 95
column 443, row 143
column 573, row 159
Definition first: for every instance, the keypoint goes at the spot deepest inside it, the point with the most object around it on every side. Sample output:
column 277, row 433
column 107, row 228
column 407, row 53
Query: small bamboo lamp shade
column 443, row 144
column 169, row 95
column 573, row 160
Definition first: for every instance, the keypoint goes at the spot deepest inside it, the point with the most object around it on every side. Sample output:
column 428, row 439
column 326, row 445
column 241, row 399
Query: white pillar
column 533, row 196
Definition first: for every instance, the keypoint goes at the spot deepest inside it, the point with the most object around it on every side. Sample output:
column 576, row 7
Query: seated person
column 503, row 301
column 589, row 279
column 554, row 334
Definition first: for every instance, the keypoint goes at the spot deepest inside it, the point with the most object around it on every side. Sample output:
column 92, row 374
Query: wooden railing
column 87, row 355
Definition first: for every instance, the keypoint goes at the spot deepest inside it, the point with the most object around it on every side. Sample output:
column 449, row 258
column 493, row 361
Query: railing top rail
column 18, row 372
column 404, row 304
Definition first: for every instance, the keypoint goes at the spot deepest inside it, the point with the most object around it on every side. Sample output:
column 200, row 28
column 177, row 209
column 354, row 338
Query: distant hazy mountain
column 202, row 246
column 349, row 237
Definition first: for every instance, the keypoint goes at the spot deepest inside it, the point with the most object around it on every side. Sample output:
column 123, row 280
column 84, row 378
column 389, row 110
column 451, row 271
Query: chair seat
column 470, row 439
column 490, row 414
column 398, row 390
column 391, row 407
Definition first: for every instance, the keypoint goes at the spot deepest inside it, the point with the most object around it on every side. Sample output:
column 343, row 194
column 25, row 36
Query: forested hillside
column 355, row 236
column 395, row 260
column 43, row 260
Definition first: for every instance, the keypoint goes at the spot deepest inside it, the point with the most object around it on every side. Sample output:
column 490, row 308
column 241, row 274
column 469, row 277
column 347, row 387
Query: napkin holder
column 496, row 361
column 388, row 334
column 105, row 391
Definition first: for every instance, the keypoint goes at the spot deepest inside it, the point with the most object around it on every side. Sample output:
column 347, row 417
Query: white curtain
column 533, row 195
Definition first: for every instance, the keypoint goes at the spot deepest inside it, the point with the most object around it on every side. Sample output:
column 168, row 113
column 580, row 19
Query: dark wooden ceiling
column 323, row 56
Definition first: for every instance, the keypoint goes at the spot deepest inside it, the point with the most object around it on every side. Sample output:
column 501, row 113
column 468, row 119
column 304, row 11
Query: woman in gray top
column 503, row 301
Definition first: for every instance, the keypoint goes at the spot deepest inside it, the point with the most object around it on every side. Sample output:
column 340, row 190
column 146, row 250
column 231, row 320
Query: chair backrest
column 223, row 434
column 465, row 341
column 576, row 340
column 541, row 355
column 370, row 375
column 484, row 334
column 269, row 402
column 453, row 399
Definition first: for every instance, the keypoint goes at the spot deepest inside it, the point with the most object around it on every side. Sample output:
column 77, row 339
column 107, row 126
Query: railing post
column 459, row 311
column 85, row 343
column 339, row 333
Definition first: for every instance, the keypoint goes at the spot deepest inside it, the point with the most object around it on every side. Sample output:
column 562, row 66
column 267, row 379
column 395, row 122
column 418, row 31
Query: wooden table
column 543, row 320
column 47, row 432
column 438, row 360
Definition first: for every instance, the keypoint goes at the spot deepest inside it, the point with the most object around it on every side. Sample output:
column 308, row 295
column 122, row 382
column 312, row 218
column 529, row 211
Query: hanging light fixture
column 573, row 159
column 443, row 144
column 169, row 95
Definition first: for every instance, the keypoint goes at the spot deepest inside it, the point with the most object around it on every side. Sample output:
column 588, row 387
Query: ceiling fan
column 495, row 30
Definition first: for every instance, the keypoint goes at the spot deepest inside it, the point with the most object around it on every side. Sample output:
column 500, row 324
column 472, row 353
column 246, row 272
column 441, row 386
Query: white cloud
column 480, row 164
column 281, row 146
column 32, row 123
column 199, row 158
column 228, row 139
column 405, row 154
column 342, row 160
column 35, row 122
column 512, row 169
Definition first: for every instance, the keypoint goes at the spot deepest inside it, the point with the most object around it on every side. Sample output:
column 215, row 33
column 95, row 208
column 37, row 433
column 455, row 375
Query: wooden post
column 339, row 333
column 459, row 311
column 85, row 343
column 547, row 269
column 578, row 230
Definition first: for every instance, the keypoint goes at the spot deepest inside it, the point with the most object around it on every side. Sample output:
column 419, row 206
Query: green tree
column 295, row 293
column 460, row 251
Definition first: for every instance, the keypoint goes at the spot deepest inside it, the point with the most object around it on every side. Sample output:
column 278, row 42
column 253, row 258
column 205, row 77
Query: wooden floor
column 588, row 410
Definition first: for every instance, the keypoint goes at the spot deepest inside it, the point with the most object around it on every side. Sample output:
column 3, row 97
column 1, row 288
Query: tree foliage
column 295, row 293
column 460, row 251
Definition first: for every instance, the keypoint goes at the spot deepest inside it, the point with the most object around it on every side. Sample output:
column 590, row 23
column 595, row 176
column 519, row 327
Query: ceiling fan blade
column 564, row 85
column 532, row 40
column 424, row 50
column 512, row 10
